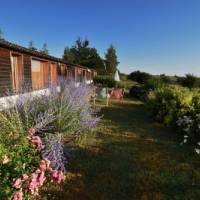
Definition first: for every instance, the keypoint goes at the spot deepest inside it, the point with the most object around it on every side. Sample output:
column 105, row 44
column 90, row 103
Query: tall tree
column 81, row 53
column 111, row 60
column 31, row 46
column 69, row 55
column 45, row 49
column 1, row 34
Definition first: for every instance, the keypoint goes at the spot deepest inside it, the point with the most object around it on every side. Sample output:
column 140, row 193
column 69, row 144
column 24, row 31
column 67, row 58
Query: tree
column 1, row 34
column 140, row 77
column 189, row 81
column 31, row 46
column 69, row 55
column 81, row 53
column 111, row 60
column 45, row 49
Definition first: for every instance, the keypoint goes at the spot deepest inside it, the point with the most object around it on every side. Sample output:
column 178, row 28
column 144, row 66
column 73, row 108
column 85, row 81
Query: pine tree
column 31, row 46
column 45, row 49
column 111, row 60
column 1, row 34
column 81, row 53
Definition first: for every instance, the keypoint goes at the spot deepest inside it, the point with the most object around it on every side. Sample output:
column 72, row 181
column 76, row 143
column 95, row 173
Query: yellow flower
column 5, row 159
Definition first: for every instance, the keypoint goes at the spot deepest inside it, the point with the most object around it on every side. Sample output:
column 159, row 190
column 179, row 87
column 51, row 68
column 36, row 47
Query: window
column 40, row 74
column 17, row 72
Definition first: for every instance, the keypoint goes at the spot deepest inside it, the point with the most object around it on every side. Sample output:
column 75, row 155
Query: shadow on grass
column 130, row 157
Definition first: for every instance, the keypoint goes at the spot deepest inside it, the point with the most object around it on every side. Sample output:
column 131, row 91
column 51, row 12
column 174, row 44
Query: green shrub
column 67, row 111
column 153, row 83
column 140, row 77
column 138, row 92
column 170, row 102
column 105, row 81
column 120, row 85
column 180, row 107
column 189, row 81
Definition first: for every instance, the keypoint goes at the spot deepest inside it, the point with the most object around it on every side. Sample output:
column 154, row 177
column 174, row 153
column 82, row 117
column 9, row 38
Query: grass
column 130, row 157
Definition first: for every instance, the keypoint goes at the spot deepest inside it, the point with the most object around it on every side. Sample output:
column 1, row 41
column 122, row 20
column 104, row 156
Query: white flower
column 185, row 140
column 185, row 136
column 197, row 151
column 198, row 143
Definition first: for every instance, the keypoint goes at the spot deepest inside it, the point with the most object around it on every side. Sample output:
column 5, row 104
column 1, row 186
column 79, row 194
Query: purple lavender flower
column 44, row 120
column 89, row 118
column 54, row 152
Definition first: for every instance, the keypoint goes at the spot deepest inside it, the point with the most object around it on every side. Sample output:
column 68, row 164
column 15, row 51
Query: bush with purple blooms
column 32, row 130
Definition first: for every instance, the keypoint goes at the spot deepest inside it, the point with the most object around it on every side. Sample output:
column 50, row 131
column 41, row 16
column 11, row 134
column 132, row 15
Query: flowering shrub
column 31, row 141
column 168, row 103
column 190, row 127
column 179, row 107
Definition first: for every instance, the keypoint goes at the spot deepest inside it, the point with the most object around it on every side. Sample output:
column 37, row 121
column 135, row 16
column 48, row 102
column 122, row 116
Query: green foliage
column 105, row 81
column 168, row 103
column 121, row 84
column 159, row 170
column 111, row 60
column 81, row 53
column 65, row 112
column 17, row 156
column 153, row 83
column 189, row 81
column 140, row 77
column 138, row 92
column 168, row 79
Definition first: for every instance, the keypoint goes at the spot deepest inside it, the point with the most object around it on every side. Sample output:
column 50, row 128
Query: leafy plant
column 105, row 81
column 140, row 77
column 32, row 129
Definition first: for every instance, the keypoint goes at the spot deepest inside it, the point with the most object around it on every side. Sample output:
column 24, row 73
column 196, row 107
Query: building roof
column 15, row 47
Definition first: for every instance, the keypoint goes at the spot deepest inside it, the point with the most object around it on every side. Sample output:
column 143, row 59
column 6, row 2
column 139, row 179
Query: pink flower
column 37, row 141
column 33, row 184
column 42, row 165
column 58, row 176
column 31, row 131
column 41, row 178
column 17, row 183
column 17, row 196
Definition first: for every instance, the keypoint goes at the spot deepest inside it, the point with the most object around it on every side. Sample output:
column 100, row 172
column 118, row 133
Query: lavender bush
column 53, row 114
column 54, row 152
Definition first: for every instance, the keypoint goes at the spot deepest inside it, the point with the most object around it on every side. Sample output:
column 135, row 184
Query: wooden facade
column 21, row 66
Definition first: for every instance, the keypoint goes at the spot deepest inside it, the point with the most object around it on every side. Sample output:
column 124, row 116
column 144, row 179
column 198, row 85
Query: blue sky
column 157, row 36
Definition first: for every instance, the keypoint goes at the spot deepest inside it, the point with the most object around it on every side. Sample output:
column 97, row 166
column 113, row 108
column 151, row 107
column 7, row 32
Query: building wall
column 27, row 70
column 5, row 71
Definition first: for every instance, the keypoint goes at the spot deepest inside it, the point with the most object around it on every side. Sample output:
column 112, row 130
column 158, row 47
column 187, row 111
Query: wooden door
column 17, row 72
column 35, row 74
column 63, row 74
column 53, row 73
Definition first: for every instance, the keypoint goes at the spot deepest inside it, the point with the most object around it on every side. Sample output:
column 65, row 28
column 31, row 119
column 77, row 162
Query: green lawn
column 130, row 157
